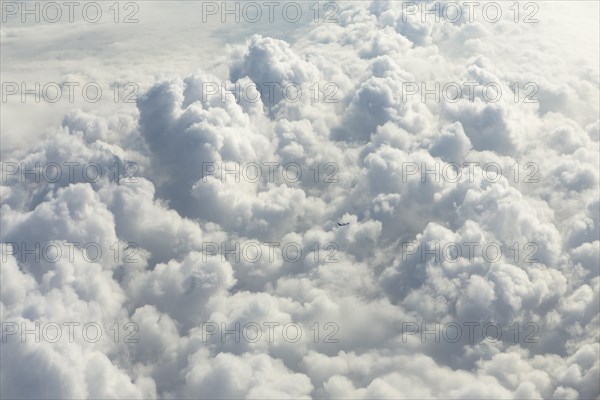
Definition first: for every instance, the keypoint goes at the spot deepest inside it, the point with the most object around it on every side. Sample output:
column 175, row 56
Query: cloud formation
column 380, row 161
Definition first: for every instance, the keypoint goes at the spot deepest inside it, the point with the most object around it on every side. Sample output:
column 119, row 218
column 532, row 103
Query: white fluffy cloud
column 366, row 159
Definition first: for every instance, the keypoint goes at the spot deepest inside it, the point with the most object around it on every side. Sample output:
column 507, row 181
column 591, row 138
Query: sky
column 363, row 202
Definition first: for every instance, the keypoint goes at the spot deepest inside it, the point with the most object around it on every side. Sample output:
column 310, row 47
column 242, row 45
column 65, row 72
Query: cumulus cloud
column 243, row 244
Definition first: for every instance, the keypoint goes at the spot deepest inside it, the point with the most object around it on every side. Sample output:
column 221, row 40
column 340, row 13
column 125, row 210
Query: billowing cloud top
column 367, row 151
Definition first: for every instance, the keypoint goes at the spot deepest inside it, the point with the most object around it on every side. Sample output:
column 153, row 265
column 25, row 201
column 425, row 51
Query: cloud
column 405, row 172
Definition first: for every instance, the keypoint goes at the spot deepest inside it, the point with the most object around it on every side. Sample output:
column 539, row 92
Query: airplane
column 343, row 223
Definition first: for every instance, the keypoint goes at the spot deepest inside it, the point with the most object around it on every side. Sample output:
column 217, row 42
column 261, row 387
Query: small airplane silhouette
column 343, row 223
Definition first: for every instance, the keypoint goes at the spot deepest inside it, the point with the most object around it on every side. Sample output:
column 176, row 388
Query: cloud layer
column 372, row 151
